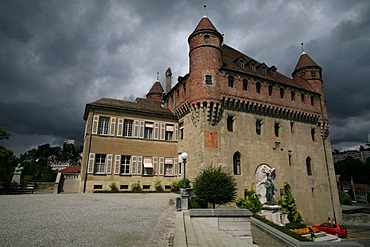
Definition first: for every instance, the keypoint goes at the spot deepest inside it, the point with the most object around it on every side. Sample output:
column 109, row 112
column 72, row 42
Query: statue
column 19, row 168
column 270, row 190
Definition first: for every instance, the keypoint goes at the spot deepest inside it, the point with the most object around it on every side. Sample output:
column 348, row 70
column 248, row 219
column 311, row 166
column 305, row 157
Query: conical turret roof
column 156, row 92
column 305, row 61
column 205, row 25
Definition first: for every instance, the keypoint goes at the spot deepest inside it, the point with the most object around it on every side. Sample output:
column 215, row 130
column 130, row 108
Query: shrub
column 344, row 198
column 158, row 186
column 177, row 184
column 135, row 187
column 251, row 201
column 215, row 185
column 288, row 204
column 113, row 186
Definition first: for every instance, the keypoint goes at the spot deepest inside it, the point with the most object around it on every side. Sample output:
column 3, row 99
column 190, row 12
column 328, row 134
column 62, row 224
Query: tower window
column 309, row 166
column 313, row 134
column 290, row 158
column 302, row 97
column 277, row 129
column 313, row 73
column 291, row 127
column 258, row 87
column 206, row 38
column 281, row 93
column 231, row 81
column 312, row 100
column 230, row 123
column 259, row 127
column 208, row 79
column 270, row 90
column 292, row 96
column 245, row 84
column 236, row 163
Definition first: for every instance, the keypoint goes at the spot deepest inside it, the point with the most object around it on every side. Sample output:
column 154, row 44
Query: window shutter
column 112, row 126
column 175, row 166
column 161, row 165
column 95, row 124
column 120, row 127
column 139, row 164
column 141, row 133
column 156, row 131
column 136, row 128
column 118, row 165
column 133, row 161
column 155, row 165
column 90, row 167
column 163, row 131
column 176, row 132
column 109, row 163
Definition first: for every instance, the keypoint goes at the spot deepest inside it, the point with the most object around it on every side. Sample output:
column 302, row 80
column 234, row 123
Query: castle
column 229, row 110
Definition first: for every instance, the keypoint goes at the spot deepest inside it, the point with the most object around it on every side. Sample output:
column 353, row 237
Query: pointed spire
column 205, row 11
column 303, row 52
column 157, row 76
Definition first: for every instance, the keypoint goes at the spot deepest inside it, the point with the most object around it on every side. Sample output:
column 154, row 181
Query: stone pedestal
column 184, row 202
column 17, row 177
column 273, row 214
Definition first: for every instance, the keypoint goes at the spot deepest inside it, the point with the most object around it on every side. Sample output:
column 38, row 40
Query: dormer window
column 241, row 63
column 231, row 81
column 253, row 66
column 263, row 68
column 206, row 38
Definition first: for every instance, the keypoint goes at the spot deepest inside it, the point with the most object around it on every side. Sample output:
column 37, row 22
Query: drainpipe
column 88, row 150
column 327, row 170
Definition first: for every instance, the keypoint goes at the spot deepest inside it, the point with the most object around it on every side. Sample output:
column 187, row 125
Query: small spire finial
column 157, row 76
column 205, row 10
column 303, row 52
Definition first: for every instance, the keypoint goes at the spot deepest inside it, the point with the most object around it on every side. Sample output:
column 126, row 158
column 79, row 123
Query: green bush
column 135, row 187
column 288, row 204
column 251, row 201
column 158, row 186
column 215, row 185
column 177, row 184
column 344, row 198
column 113, row 186
column 295, row 225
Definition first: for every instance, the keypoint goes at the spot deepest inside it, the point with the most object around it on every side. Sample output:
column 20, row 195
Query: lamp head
column 184, row 156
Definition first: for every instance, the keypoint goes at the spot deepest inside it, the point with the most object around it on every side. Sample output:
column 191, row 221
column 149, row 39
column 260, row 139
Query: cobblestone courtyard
column 87, row 220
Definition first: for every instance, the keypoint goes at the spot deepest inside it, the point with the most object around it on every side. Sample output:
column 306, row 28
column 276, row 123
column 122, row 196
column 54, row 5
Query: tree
column 288, row 204
column 4, row 134
column 215, row 185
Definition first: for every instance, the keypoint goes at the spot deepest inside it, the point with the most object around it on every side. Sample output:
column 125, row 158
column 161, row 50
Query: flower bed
column 305, row 230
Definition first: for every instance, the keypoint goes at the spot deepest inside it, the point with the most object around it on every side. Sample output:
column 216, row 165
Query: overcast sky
column 56, row 56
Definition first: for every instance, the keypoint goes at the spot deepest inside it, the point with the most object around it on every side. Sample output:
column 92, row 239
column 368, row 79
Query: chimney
column 168, row 79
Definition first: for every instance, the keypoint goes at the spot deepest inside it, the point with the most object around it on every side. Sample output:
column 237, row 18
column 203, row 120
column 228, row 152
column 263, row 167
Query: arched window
column 258, row 87
column 270, row 90
column 245, row 84
column 309, row 166
column 231, row 81
column 236, row 162
column 206, row 38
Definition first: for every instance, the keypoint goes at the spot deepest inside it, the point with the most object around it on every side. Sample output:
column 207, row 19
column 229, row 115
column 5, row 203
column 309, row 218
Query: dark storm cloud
column 56, row 56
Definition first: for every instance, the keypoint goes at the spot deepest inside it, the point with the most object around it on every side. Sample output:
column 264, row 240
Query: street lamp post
column 184, row 157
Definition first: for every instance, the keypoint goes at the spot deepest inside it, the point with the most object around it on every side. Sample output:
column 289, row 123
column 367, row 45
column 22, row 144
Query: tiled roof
column 205, row 24
column 140, row 105
column 156, row 89
column 305, row 61
column 230, row 57
column 71, row 169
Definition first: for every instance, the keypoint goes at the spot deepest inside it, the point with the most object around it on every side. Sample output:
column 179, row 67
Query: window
column 258, row 87
column 98, row 187
column 313, row 134
column 169, row 132
column 302, row 97
column 181, row 126
column 291, row 127
column 281, row 93
column 103, row 125
column 253, row 66
column 236, row 163
column 312, row 100
column 263, row 68
column 259, row 127
column 241, row 63
column 230, row 123
column 292, row 96
column 125, row 165
column 100, row 163
column 123, row 187
column 277, row 129
column 168, row 164
column 290, row 158
column 206, row 38
column 127, row 129
column 309, row 166
column 208, row 79
column 313, row 73
column 148, row 166
column 245, row 85
column 184, row 85
column 148, row 131
column 270, row 90
column 231, row 81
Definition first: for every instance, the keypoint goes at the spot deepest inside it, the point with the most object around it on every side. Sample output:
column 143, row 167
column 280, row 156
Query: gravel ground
column 87, row 220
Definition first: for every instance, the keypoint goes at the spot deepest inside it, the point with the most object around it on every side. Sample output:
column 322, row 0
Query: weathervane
column 303, row 52
column 157, row 76
column 205, row 10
